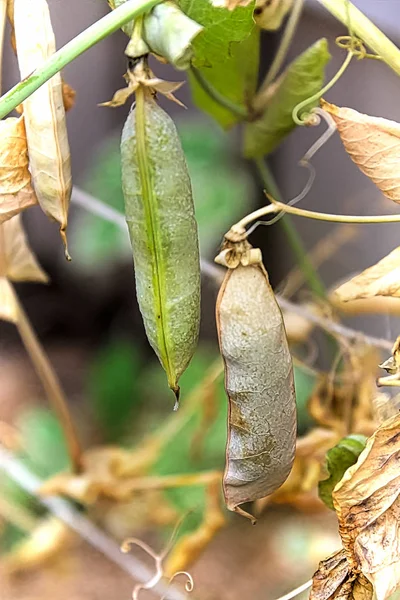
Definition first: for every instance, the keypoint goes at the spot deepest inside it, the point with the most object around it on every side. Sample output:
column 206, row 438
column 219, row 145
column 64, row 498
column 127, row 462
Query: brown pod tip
column 177, row 392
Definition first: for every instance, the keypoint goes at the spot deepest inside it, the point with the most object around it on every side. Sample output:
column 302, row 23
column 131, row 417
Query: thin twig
column 81, row 525
column 297, row 591
column 217, row 274
column 51, row 385
column 332, row 327
column 284, row 44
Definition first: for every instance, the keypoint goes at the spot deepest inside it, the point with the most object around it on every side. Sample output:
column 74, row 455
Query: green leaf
column 44, row 442
column 235, row 79
column 113, row 387
column 221, row 27
column 303, row 78
column 220, row 188
column 304, row 384
column 338, row 460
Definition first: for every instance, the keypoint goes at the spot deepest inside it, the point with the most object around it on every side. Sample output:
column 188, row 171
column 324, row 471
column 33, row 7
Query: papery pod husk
column 259, row 384
column 160, row 215
column 169, row 33
column 44, row 112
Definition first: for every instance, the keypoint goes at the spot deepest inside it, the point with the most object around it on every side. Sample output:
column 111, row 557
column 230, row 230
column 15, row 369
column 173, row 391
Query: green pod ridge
column 160, row 215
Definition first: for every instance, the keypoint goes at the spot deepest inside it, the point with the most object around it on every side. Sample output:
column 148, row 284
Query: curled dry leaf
column 258, row 379
column 335, row 580
column 16, row 192
column 368, row 508
column 373, row 143
column 44, row 112
column 382, row 279
column 17, row 263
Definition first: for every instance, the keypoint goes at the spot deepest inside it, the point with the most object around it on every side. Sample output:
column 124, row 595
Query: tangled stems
column 82, row 42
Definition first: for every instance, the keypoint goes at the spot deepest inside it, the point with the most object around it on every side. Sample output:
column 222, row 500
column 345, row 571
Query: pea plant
column 348, row 459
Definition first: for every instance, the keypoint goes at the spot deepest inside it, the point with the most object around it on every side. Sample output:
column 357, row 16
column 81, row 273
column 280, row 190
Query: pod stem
column 82, row 42
column 276, row 207
column 50, row 383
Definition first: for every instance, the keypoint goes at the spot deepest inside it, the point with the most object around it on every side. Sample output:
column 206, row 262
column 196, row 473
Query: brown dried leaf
column 368, row 508
column 335, row 580
column 69, row 95
column 16, row 191
column 382, row 279
column 373, row 143
column 17, row 263
column 44, row 113
column 8, row 305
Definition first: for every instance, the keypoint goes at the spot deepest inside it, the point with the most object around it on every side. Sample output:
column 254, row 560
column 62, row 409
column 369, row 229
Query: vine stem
column 362, row 27
column 311, row 275
column 219, row 98
column 276, row 206
column 284, row 44
column 50, row 383
column 82, row 42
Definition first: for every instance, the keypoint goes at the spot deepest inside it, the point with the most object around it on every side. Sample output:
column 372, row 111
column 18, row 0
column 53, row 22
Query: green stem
column 363, row 28
column 295, row 242
column 82, row 42
column 299, row 107
column 284, row 44
column 219, row 98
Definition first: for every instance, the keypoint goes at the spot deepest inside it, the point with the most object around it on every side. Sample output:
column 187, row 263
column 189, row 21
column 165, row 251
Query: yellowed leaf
column 17, row 262
column 382, row 279
column 50, row 539
column 269, row 14
column 373, row 143
column 16, row 191
column 335, row 580
column 368, row 508
column 8, row 305
column 44, row 112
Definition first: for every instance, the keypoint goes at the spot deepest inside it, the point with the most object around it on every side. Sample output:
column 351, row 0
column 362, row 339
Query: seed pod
column 259, row 384
column 160, row 214
column 44, row 112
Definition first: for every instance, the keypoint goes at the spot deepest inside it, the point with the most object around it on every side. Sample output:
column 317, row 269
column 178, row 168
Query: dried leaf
column 8, row 305
column 335, row 580
column 69, row 95
column 44, row 112
column 191, row 545
column 269, row 14
column 16, row 192
column 368, row 508
column 17, row 263
column 373, row 143
column 51, row 538
column 338, row 460
column 382, row 279
column 258, row 380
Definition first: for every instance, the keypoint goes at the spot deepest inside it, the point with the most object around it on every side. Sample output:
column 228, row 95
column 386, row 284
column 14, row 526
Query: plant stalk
column 217, row 96
column 82, row 42
column 362, row 27
column 50, row 383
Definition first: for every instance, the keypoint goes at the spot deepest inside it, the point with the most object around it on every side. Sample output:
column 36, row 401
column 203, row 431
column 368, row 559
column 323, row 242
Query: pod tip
column 177, row 392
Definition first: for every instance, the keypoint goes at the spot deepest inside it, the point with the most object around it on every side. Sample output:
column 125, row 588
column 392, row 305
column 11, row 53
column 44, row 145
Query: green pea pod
column 160, row 215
